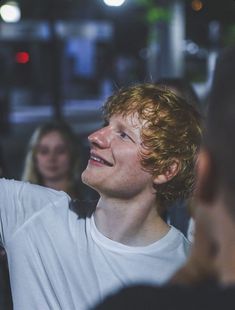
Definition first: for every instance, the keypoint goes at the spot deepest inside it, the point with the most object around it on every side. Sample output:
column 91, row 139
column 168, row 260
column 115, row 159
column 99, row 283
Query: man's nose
column 101, row 138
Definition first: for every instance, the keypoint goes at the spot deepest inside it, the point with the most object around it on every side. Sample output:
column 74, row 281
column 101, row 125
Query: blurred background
column 60, row 59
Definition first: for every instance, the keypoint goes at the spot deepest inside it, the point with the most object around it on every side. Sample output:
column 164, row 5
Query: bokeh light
column 10, row 12
column 197, row 5
column 114, row 2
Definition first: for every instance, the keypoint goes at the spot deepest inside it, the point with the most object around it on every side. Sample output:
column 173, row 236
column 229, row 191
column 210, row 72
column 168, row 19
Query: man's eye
column 123, row 135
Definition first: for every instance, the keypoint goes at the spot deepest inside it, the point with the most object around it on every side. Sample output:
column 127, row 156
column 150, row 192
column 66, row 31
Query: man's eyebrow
column 130, row 129
column 124, row 126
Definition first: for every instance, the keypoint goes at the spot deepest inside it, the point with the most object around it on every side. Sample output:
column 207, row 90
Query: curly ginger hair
column 171, row 131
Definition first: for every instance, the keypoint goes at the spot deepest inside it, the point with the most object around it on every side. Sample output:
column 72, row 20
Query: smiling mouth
column 100, row 160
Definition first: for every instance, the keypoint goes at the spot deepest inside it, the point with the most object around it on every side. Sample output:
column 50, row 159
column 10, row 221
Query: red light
column 22, row 57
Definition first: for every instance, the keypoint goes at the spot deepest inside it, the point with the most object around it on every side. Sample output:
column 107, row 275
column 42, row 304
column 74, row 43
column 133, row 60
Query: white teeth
column 97, row 159
column 100, row 160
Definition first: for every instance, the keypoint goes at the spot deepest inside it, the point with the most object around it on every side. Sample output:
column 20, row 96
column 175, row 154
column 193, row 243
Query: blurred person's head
column 169, row 131
column 53, row 158
column 219, row 138
column 216, row 169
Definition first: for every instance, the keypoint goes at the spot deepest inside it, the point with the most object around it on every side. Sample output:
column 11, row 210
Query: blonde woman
column 53, row 159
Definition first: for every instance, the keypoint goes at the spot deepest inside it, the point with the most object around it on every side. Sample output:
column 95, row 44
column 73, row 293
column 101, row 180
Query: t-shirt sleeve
column 19, row 201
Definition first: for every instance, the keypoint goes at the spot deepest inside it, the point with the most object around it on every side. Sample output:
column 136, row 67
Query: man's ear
column 206, row 180
column 168, row 174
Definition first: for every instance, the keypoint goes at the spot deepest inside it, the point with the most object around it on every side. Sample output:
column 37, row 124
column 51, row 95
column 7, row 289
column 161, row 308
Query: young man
column 209, row 274
column 142, row 159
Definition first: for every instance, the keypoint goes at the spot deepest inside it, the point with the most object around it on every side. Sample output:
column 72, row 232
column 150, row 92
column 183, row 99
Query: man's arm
column 19, row 201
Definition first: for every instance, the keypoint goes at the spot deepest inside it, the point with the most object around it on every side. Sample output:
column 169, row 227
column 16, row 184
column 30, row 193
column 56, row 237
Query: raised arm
column 19, row 201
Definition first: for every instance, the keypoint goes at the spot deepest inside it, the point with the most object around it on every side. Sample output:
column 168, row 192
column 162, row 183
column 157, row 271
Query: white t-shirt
column 58, row 261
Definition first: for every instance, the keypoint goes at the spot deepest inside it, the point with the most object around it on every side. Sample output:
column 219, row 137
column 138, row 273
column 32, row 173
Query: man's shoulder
column 30, row 195
column 178, row 239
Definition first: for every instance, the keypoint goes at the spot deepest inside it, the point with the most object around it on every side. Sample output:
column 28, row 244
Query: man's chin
column 86, row 179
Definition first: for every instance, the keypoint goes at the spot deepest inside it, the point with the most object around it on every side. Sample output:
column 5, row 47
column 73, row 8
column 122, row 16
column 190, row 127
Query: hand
column 201, row 264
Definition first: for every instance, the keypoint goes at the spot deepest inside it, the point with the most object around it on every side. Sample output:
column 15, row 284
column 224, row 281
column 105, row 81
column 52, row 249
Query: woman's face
column 52, row 157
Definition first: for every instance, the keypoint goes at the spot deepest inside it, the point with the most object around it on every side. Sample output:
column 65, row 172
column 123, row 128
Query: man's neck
column 130, row 222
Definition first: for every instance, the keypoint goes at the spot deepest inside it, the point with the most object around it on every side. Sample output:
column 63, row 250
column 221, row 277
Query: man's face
column 114, row 167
